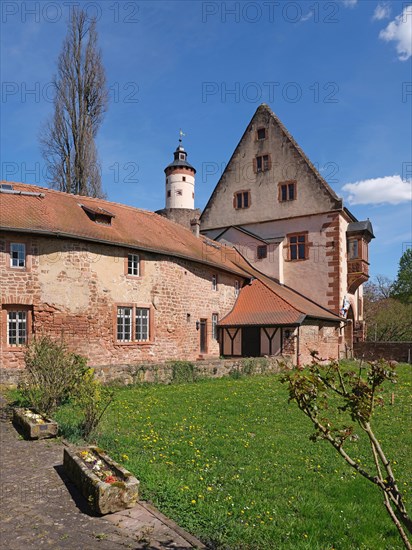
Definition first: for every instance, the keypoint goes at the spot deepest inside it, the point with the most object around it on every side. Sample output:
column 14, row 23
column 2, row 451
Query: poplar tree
column 80, row 101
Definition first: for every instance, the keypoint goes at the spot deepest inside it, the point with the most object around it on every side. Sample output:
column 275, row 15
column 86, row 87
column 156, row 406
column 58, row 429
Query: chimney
column 195, row 226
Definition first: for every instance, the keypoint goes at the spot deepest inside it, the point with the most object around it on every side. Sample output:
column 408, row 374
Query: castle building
column 273, row 205
column 277, row 269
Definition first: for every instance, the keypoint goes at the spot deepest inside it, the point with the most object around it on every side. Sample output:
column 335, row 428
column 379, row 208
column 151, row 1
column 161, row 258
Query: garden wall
column 182, row 371
column 395, row 351
column 173, row 371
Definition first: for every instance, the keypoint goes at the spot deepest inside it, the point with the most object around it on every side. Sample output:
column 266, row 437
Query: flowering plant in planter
column 98, row 467
column 107, row 486
column 34, row 425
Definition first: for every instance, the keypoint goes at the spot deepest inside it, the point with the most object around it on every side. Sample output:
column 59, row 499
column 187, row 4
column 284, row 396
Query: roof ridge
column 313, row 168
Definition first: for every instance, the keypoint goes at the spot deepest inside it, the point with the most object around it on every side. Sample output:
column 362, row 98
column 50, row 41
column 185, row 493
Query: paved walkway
column 41, row 508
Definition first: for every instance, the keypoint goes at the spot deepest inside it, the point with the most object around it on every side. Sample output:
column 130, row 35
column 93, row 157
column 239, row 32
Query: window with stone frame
column 298, row 246
column 18, row 255
column 17, row 324
column 287, row 191
column 133, row 265
column 261, row 134
column 133, row 324
column 262, row 252
column 142, row 326
column 241, row 200
column 215, row 331
column 262, row 163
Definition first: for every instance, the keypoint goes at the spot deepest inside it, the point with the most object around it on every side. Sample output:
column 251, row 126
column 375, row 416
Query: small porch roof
column 258, row 305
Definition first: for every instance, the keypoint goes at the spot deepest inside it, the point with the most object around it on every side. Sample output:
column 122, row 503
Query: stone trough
column 120, row 492
column 33, row 425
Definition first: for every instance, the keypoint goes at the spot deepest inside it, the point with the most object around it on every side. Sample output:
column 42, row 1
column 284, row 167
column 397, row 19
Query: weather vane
column 181, row 134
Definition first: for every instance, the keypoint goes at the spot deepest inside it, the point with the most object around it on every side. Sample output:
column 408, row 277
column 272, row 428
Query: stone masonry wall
column 164, row 373
column 73, row 290
column 391, row 351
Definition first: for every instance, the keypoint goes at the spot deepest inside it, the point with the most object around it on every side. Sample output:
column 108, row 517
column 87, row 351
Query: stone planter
column 33, row 425
column 103, row 497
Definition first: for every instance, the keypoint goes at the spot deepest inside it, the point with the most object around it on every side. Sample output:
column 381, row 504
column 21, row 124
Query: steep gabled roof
column 265, row 108
column 37, row 210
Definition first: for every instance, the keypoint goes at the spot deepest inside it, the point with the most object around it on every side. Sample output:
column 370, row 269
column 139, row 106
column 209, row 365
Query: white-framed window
column 142, row 324
column 214, row 282
column 17, row 328
column 124, row 324
column 215, row 332
column 133, row 265
column 18, row 255
column 236, row 289
column 133, row 324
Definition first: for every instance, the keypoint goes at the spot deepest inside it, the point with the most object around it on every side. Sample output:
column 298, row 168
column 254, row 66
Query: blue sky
column 338, row 74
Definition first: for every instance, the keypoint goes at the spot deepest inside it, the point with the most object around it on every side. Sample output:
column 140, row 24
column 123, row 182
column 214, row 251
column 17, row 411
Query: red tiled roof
column 281, row 304
column 259, row 305
column 50, row 212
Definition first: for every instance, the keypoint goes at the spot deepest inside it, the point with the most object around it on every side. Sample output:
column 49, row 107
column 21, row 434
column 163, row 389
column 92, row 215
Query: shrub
column 52, row 372
column 93, row 399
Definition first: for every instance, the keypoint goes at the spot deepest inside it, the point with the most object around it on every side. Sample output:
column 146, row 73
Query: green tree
column 402, row 287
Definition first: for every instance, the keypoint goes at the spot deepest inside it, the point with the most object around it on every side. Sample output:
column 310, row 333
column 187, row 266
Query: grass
column 230, row 461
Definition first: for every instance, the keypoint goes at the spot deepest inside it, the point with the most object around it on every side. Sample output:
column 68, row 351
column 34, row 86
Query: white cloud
column 382, row 11
column 400, row 30
column 386, row 190
column 349, row 3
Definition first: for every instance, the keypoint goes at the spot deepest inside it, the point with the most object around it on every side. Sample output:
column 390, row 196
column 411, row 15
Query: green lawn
column 230, row 461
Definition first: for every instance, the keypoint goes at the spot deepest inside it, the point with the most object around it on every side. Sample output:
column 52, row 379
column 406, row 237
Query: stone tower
column 180, row 189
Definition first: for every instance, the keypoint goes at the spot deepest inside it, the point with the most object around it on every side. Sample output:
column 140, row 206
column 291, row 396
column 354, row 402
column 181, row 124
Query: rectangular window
column 133, row 265
column 262, row 163
column 142, row 324
column 241, row 199
column 287, row 191
column 353, row 249
column 124, row 324
column 297, row 247
column 214, row 282
column 17, row 328
column 169, row 193
column 18, row 255
column 261, row 133
column 215, row 332
column 179, row 192
column 262, row 252
column 236, row 289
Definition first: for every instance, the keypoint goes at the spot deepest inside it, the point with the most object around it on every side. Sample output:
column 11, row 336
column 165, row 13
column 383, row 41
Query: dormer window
column 181, row 156
column 98, row 215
